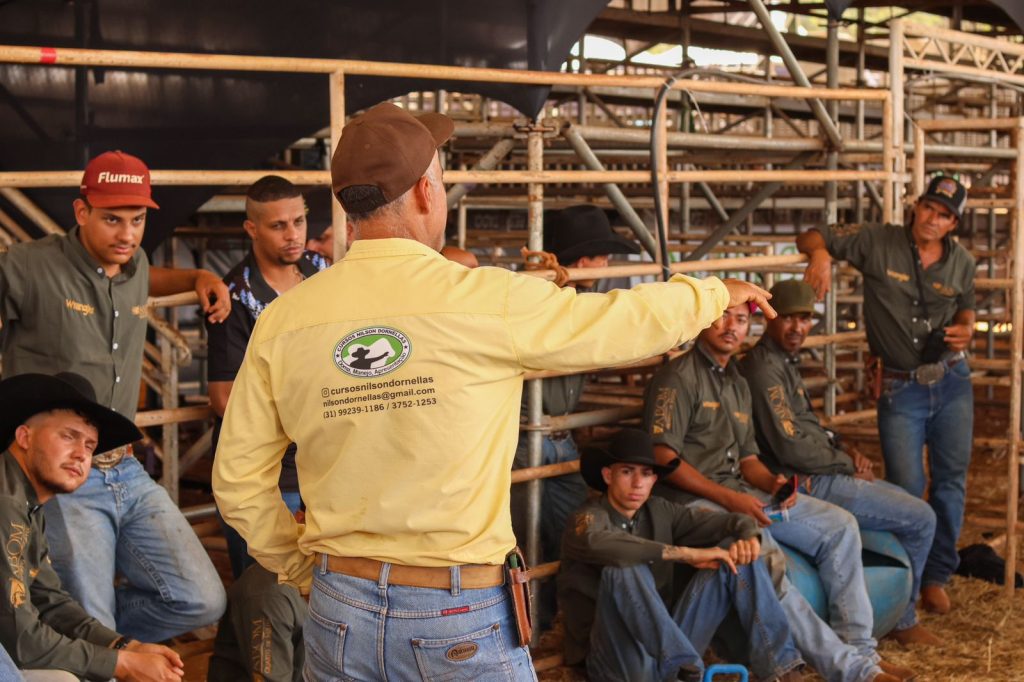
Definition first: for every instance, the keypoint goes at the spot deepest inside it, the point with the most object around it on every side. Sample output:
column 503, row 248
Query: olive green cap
column 793, row 296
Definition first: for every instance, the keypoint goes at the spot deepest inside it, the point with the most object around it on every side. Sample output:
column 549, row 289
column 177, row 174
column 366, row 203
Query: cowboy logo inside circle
column 372, row 352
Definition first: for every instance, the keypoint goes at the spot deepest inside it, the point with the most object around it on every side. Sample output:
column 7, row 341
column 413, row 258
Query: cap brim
column 598, row 247
column 25, row 395
column 440, row 126
column 797, row 309
column 119, row 201
column 945, row 201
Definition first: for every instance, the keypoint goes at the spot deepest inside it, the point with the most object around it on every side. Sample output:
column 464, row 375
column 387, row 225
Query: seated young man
column 792, row 441
column 625, row 618
column 697, row 409
column 51, row 426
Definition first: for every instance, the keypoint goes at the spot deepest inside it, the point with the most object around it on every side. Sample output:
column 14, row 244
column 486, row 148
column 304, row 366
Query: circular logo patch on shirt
column 372, row 352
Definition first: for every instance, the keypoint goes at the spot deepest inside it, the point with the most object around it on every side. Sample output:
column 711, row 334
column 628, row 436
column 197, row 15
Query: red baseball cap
column 116, row 179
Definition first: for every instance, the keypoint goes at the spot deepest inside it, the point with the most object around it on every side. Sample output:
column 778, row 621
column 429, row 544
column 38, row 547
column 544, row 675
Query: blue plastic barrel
column 886, row 572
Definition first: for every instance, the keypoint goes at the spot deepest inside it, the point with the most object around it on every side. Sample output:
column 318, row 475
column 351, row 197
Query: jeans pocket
column 325, row 649
column 961, row 370
column 479, row 656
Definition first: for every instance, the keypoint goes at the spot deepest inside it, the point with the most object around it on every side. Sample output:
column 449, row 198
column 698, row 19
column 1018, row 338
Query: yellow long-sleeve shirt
column 399, row 374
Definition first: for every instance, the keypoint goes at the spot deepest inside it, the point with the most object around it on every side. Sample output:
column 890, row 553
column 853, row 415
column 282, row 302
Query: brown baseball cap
column 383, row 152
column 116, row 179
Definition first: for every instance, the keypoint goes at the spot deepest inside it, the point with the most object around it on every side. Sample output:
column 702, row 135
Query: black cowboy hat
column 628, row 446
column 26, row 395
column 584, row 230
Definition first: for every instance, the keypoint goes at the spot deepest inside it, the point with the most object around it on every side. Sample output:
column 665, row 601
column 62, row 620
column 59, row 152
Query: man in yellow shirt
column 398, row 374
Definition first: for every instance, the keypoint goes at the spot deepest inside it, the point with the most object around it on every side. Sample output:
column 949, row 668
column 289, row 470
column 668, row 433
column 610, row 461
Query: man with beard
column 919, row 316
column 51, row 426
column 276, row 222
column 698, row 410
column 793, row 441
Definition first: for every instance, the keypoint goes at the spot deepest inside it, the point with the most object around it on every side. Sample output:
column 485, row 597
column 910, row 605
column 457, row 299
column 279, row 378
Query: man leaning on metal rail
column 578, row 237
column 919, row 314
column 398, row 374
column 77, row 302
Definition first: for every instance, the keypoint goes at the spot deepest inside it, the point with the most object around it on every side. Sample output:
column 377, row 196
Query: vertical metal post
column 534, row 393
column 169, row 390
column 462, row 220
column 1016, row 361
column 831, row 214
column 338, row 220
column 661, row 124
column 990, row 334
column 894, row 196
column 858, row 192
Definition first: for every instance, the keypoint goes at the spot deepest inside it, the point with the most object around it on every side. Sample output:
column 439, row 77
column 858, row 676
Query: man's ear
column 81, row 211
column 250, row 228
column 21, row 436
column 422, row 195
column 606, row 474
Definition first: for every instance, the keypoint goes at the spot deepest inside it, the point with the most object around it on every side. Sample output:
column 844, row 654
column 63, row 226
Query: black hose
column 659, row 221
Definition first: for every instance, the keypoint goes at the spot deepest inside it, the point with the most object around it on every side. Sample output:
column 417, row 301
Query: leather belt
column 916, row 374
column 471, row 576
column 111, row 458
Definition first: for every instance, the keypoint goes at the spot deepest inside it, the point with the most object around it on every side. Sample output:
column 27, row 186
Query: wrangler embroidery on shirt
column 711, row 404
column 15, row 549
column 846, row 229
column 260, row 652
column 781, row 408
column 898, row 276
column 943, row 289
column 583, row 522
column 664, row 409
column 741, row 417
column 83, row 308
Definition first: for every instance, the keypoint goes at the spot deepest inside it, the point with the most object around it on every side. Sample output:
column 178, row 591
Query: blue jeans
column 121, row 523
column 878, row 505
column 940, row 416
column 8, row 671
column 830, row 536
column 369, row 630
column 238, row 549
column 634, row 637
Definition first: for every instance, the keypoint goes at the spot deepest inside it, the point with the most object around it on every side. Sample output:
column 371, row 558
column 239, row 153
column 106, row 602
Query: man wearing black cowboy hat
column 919, row 314
column 51, row 426
column 625, row 616
column 579, row 237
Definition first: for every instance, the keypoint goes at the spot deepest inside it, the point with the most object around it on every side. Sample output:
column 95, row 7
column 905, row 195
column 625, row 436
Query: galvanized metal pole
column 534, row 392
column 831, row 215
column 799, row 77
column 618, row 199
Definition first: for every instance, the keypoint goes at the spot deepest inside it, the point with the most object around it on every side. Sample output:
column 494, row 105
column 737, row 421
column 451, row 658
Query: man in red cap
column 77, row 302
column 398, row 375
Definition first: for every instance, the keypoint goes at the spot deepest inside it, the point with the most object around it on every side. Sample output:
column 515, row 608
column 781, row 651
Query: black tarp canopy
column 56, row 118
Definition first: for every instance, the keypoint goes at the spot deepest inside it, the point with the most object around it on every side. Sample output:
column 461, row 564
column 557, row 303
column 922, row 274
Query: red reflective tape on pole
column 47, row 55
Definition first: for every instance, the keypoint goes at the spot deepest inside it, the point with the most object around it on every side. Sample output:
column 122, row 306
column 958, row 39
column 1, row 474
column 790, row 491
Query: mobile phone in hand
column 786, row 491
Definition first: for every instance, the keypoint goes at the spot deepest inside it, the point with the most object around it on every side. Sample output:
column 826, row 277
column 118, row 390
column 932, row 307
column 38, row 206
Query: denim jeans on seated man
column 121, row 524
column 10, row 673
column 634, row 637
column 371, row 630
column 940, row 416
column 878, row 505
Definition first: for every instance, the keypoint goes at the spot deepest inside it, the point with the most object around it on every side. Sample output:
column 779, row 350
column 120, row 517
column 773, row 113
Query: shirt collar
column 78, row 255
column 362, row 249
column 770, row 344
column 618, row 519
column 14, row 469
column 712, row 363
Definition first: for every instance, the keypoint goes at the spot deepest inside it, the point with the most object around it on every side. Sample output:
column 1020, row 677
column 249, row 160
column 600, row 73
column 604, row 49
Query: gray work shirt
column 61, row 313
column 791, row 438
column 702, row 411
column 897, row 326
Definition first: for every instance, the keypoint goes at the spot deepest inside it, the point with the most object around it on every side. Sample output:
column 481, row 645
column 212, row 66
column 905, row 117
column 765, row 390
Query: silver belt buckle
column 933, row 372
